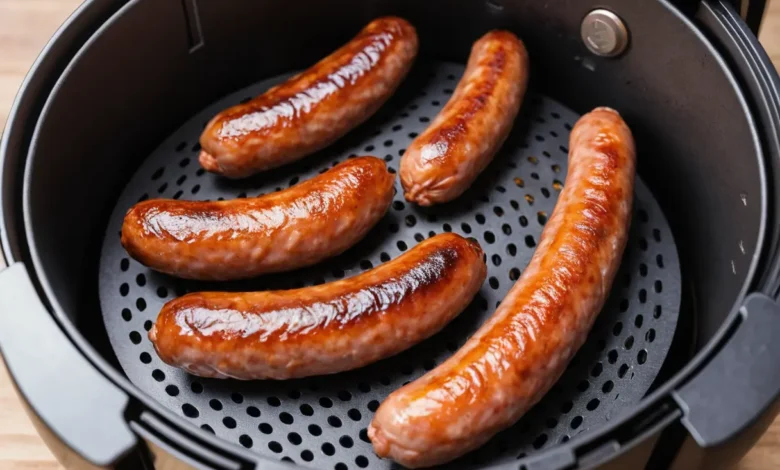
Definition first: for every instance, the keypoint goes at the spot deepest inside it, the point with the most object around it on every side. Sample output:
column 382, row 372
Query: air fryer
column 679, row 370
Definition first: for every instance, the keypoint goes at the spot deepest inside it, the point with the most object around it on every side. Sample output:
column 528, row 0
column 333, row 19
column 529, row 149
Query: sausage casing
column 314, row 108
column 442, row 162
column 300, row 226
column 327, row 328
column 519, row 353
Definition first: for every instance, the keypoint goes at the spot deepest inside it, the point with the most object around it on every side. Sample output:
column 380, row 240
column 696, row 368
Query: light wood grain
column 25, row 26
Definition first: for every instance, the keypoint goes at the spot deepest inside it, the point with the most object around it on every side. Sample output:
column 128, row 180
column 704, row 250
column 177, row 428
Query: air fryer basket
column 120, row 124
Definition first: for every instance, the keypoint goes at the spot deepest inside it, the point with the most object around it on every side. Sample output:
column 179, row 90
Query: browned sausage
column 242, row 238
column 314, row 108
column 327, row 328
column 460, row 142
column 517, row 355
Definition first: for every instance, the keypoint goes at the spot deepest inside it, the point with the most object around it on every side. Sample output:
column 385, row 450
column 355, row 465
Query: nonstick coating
column 320, row 422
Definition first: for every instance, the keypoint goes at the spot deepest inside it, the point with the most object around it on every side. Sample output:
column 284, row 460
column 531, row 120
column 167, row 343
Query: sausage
column 281, row 231
column 314, row 108
column 327, row 328
column 519, row 353
column 442, row 162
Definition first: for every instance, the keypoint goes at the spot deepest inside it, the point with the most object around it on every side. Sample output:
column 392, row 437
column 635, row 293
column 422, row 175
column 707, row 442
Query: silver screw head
column 604, row 33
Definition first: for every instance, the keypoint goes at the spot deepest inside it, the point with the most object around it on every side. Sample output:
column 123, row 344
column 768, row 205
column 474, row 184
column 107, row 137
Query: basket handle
column 78, row 411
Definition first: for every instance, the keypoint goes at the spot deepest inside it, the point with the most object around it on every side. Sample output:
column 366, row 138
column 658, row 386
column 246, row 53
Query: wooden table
column 25, row 26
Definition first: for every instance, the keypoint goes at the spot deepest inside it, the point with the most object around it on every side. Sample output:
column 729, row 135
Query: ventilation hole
column 545, row 192
column 124, row 264
column 658, row 286
column 643, row 269
column 643, row 244
column 145, row 357
column 642, row 296
column 514, row 274
column 557, row 169
column 608, row 386
column 447, row 91
column 148, row 325
column 126, row 314
column 410, row 220
column 363, row 435
column 576, row 422
column 398, row 205
column 612, row 356
column 196, row 387
column 294, row 438
column 124, row 289
column 340, row 466
column 158, row 375
column 496, row 260
column 143, row 197
column 523, row 221
column 326, row 402
column 557, row 185
column 364, row 387
column 659, row 260
column 393, row 228
column 207, row 428
column 593, row 404
column 493, row 282
column 135, row 337
column 622, row 370
column 253, row 411
column 215, row 404
column 638, row 321
column 361, row 461
column 529, row 199
column 419, row 237
column 195, row 189
column 373, row 405
column 275, row 447
column 315, row 430
column 511, row 249
column 519, row 182
column 540, row 441
column 229, row 422
column 566, row 407
column 307, row 455
column 285, row 417
column 178, row 194
column 385, row 380
column 506, row 229
column 535, row 176
column 140, row 304
column 388, row 158
column 657, row 312
column 597, row 369
column 583, row 385
column 617, row 329
column 480, row 219
column 338, row 273
column 181, row 180
column 162, row 292
column 623, row 307
column 274, row 401
column 189, row 411
column 354, row 414
column 328, row 449
column 465, row 227
column 641, row 357
column 602, row 344
column 515, row 205
column 265, row 428
column 369, row 148
column 447, row 228
column 629, row 343
column 402, row 245
column 498, row 211
column 489, row 237
column 650, row 335
column 529, row 241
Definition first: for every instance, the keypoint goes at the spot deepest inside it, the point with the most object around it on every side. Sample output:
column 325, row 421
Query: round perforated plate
column 320, row 422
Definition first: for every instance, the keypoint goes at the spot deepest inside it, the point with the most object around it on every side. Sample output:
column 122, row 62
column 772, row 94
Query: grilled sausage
column 519, row 353
column 327, row 328
column 243, row 238
column 314, row 108
column 443, row 161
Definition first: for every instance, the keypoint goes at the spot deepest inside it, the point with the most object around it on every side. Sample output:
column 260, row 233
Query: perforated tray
column 321, row 422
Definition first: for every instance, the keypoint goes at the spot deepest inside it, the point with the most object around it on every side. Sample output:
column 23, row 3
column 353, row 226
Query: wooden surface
column 25, row 26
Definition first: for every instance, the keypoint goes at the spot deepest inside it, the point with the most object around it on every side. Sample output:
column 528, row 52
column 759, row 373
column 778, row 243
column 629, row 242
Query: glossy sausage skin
column 243, row 238
column 445, row 160
column 519, row 353
column 327, row 328
column 314, row 108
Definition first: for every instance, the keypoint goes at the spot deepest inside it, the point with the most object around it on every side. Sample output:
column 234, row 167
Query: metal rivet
column 604, row 33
